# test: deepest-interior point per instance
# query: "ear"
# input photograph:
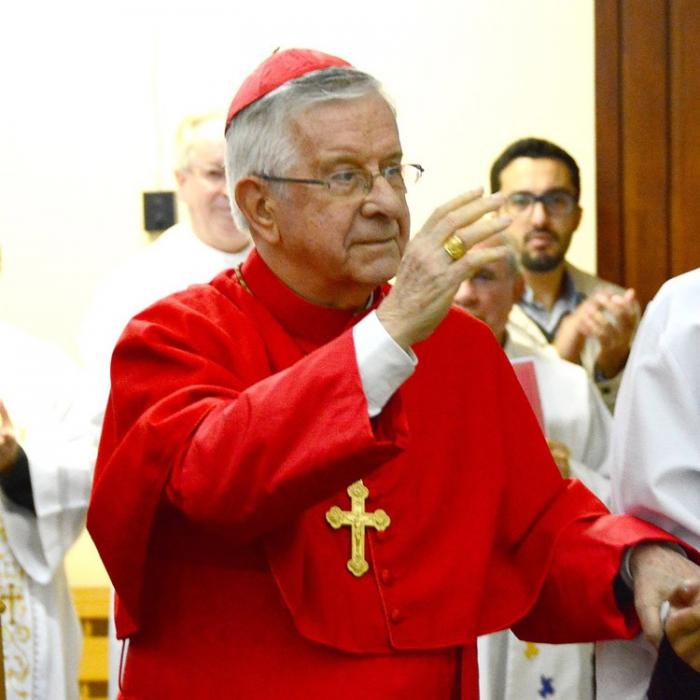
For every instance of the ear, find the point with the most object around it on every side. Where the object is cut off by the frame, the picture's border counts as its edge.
(180, 177)
(578, 215)
(518, 286)
(254, 200)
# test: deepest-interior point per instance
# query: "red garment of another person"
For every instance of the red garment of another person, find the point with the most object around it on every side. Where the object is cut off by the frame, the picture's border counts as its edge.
(237, 419)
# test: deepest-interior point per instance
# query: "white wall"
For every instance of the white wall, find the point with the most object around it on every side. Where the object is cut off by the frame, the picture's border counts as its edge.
(92, 91)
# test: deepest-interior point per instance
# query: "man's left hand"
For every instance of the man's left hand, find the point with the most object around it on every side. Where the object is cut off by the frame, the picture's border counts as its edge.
(660, 574)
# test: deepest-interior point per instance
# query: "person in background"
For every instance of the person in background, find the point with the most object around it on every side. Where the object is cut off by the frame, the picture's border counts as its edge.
(311, 481)
(577, 426)
(44, 491)
(589, 321)
(655, 470)
(190, 252)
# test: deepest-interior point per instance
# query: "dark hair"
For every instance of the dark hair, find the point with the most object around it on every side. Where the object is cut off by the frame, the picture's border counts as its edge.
(534, 148)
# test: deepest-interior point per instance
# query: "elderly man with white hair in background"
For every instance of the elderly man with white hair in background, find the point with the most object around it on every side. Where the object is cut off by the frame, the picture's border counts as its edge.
(189, 252)
(577, 425)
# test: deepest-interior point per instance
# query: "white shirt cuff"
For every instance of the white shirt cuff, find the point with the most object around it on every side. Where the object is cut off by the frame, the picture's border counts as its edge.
(383, 364)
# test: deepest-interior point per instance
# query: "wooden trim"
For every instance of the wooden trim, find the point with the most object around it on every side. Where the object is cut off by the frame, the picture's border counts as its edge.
(92, 606)
(610, 226)
(684, 25)
(645, 144)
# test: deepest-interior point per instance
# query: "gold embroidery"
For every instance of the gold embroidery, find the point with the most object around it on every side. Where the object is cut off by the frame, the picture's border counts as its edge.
(531, 650)
(17, 635)
(11, 597)
(358, 519)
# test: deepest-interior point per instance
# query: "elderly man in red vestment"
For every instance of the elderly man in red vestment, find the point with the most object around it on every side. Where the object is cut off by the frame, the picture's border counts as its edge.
(313, 484)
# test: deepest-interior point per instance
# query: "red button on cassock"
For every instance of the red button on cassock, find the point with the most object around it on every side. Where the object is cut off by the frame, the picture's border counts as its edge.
(396, 616)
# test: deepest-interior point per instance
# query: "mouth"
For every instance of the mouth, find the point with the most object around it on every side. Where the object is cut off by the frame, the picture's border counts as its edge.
(378, 242)
(541, 239)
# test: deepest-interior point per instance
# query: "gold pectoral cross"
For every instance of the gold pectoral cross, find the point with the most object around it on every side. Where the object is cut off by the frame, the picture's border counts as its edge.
(358, 519)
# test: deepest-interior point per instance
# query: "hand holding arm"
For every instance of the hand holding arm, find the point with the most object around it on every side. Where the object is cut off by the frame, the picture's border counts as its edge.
(658, 573)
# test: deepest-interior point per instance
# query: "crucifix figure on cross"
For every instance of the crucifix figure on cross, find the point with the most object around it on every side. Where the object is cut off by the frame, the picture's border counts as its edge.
(358, 519)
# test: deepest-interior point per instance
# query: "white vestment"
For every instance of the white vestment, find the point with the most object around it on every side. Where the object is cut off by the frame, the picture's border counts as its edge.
(173, 262)
(574, 414)
(41, 635)
(655, 454)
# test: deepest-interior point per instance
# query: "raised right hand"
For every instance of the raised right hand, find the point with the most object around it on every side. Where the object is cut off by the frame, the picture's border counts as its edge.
(428, 276)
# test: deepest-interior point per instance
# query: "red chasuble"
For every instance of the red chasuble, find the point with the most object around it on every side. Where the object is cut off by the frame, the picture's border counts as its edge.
(237, 420)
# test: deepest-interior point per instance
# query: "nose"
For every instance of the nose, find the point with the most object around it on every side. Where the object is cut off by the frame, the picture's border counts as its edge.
(466, 294)
(383, 199)
(539, 214)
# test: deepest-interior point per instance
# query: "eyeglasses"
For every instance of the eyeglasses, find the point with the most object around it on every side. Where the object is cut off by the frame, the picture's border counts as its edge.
(346, 183)
(555, 202)
(485, 277)
(212, 175)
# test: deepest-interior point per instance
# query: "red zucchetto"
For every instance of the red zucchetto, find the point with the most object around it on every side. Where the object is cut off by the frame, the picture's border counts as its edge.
(278, 69)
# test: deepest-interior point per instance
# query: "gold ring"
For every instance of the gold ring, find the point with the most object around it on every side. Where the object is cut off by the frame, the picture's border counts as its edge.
(454, 247)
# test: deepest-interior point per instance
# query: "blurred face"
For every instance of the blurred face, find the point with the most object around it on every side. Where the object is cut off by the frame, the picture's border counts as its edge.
(489, 295)
(540, 236)
(336, 249)
(202, 187)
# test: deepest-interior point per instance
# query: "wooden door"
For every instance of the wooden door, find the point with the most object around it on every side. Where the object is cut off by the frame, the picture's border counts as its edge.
(647, 140)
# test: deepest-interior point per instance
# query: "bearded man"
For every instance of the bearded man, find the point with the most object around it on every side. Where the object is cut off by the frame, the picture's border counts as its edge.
(587, 320)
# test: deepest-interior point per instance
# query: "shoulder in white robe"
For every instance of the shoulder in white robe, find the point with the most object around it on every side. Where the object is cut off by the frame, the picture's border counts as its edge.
(655, 457)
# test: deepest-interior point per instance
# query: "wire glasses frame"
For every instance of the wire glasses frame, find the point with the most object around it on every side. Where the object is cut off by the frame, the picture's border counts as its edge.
(349, 182)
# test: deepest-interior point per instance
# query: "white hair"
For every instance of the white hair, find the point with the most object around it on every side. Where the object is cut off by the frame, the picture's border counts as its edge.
(193, 130)
(259, 139)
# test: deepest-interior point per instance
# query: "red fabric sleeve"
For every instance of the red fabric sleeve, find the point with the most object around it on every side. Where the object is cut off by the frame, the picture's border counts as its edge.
(235, 429)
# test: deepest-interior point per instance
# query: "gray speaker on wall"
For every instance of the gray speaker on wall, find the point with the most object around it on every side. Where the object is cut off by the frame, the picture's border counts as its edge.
(158, 211)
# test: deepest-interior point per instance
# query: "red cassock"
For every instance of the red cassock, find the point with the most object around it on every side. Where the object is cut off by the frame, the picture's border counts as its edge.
(237, 419)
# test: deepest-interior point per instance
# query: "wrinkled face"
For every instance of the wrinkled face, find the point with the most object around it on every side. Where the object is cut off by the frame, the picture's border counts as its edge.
(489, 295)
(540, 237)
(337, 249)
(202, 187)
